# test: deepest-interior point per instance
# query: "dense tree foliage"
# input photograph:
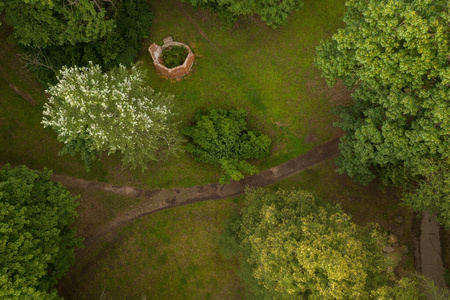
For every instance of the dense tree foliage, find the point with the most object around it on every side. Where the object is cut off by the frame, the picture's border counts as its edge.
(298, 247)
(92, 111)
(40, 24)
(2, 6)
(36, 241)
(294, 246)
(273, 12)
(220, 137)
(395, 54)
(432, 192)
(107, 33)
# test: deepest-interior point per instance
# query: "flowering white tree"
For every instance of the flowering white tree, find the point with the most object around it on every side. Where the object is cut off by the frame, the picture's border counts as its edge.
(92, 111)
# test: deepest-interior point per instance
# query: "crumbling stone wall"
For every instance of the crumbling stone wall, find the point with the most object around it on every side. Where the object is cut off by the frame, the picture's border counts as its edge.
(176, 72)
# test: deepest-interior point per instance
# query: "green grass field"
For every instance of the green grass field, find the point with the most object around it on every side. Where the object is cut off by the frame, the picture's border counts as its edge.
(172, 254)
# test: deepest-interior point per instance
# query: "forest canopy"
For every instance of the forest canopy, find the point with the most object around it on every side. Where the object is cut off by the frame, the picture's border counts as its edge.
(394, 54)
(36, 241)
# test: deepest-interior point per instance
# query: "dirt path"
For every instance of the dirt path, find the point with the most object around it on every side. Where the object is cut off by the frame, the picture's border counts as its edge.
(430, 250)
(182, 8)
(23, 94)
(159, 199)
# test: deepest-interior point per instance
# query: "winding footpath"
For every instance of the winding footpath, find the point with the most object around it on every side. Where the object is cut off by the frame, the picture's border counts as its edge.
(159, 199)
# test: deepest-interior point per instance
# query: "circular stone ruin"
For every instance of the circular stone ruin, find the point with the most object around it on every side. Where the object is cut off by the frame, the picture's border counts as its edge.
(175, 72)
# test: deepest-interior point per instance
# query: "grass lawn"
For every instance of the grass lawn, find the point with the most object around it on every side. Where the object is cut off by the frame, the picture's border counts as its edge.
(273, 78)
(172, 254)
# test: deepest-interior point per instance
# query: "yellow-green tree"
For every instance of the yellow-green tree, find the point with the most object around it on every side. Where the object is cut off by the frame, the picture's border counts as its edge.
(296, 247)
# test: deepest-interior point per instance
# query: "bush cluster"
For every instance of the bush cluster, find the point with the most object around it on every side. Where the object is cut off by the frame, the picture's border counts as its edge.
(174, 56)
(273, 12)
(220, 137)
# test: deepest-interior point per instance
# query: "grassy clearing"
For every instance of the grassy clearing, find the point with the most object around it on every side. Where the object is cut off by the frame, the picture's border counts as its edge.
(171, 254)
(271, 77)
(372, 203)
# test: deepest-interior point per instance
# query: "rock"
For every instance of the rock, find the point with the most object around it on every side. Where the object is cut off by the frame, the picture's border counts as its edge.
(399, 219)
(388, 249)
(167, 40)
(393, 259)
(404, 249)
(393, 238)
(395, 245)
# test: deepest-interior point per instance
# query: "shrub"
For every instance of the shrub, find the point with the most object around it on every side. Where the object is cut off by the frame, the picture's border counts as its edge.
(174, 56)
(447, 276)
(273, 12)
(220, 137)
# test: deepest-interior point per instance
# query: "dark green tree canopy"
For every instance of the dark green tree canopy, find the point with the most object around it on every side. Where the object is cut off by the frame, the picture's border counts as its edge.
(42, 23)
(396, 53)
(58, 33)
(432, 192)
(396, 56)
(221, 137)
(2, 6)
(36, 240)
(273, 12)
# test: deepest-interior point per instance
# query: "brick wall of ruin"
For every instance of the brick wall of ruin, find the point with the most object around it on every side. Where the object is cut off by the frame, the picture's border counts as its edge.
(172, 73)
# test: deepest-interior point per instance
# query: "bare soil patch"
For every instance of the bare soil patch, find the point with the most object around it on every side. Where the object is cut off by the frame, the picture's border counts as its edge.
(23, 94)
(337, 95)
